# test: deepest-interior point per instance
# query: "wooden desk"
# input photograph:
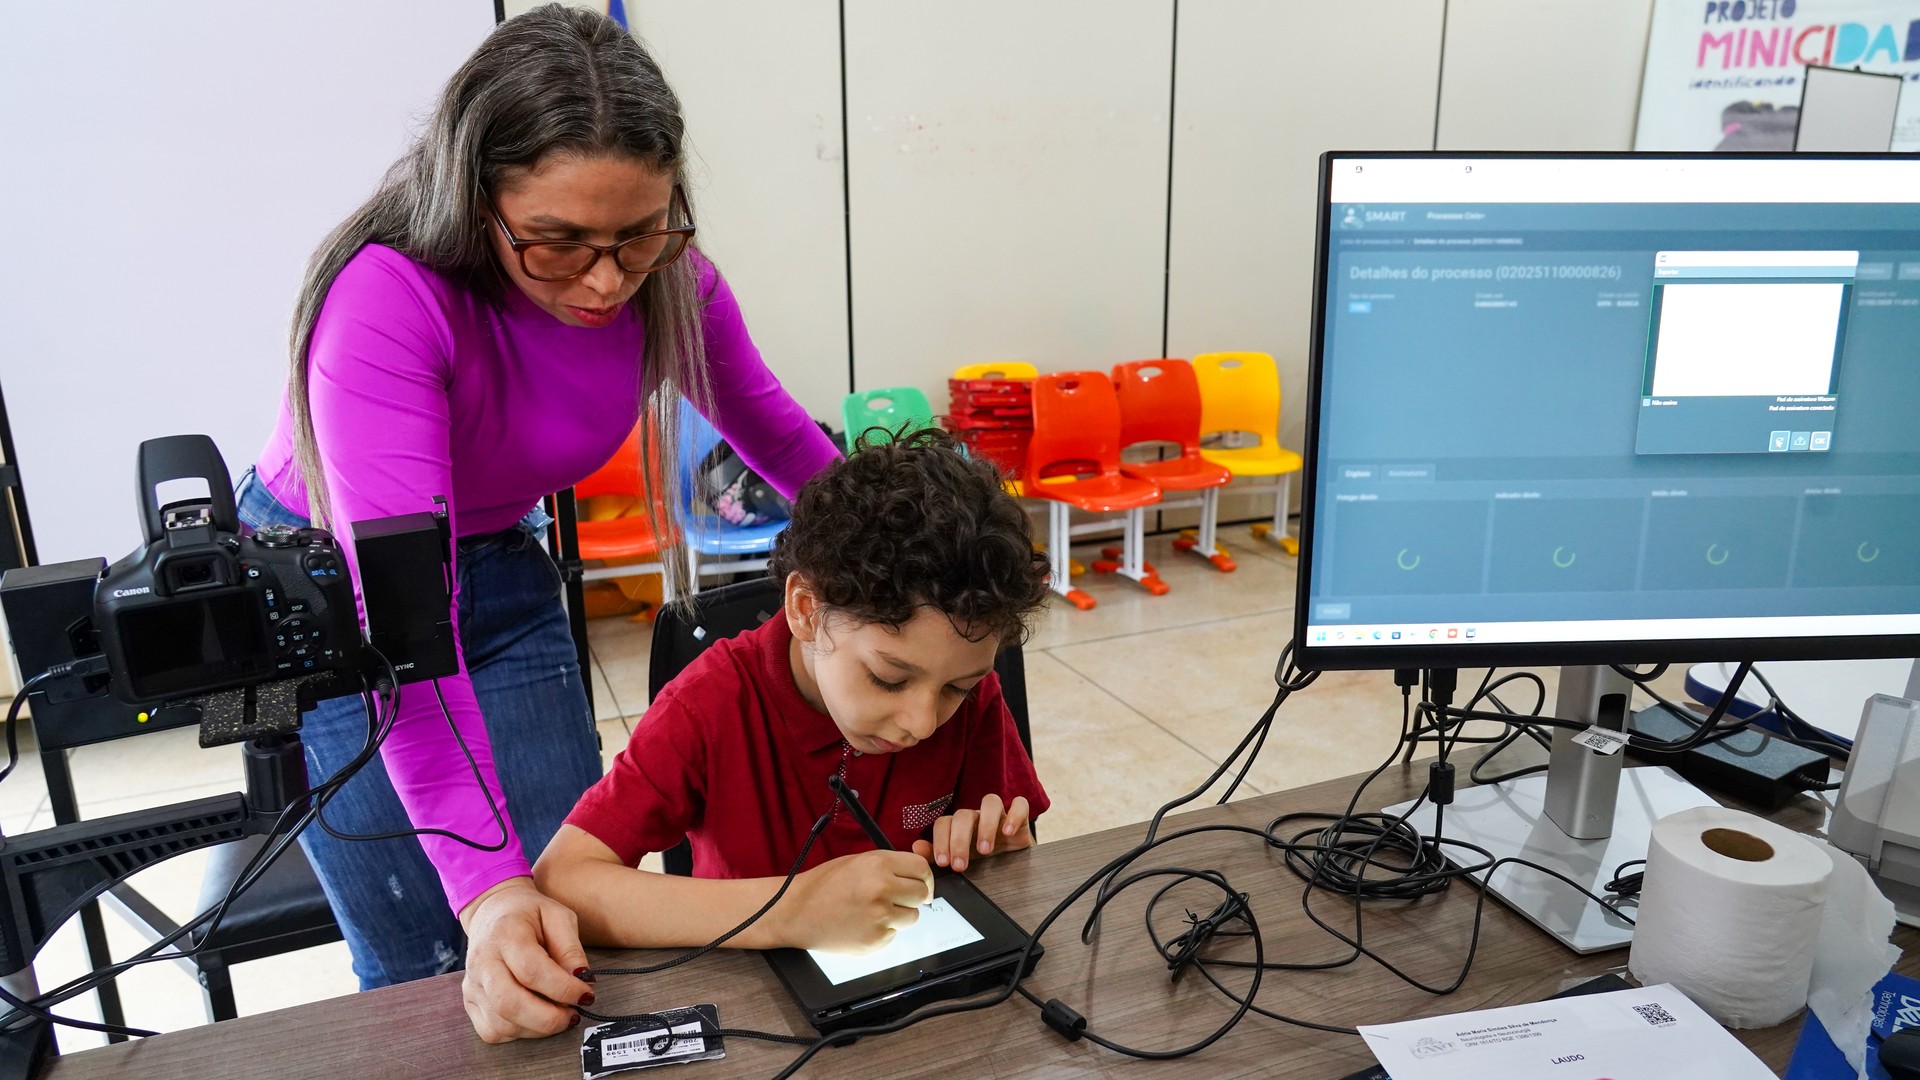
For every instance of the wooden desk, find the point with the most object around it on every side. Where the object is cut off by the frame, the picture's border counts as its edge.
(1120, 984)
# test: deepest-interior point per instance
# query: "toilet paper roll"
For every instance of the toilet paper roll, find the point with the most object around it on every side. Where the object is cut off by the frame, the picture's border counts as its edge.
(1730, 914)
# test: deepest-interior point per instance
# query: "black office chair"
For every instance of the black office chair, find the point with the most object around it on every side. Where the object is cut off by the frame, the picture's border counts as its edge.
(680, 635)
(282, 911)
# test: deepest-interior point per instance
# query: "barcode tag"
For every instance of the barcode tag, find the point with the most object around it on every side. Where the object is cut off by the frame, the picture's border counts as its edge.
(1604, 740)
(631, 1048)
(641, 1043)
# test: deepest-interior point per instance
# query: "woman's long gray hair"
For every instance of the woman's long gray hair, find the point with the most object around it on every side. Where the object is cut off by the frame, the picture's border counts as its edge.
(556, 80)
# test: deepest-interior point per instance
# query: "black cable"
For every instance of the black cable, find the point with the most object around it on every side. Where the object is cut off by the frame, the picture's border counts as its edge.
(49, 1017)
(83, 667)
(1364, 856)
(1289, 679)
(1103, 874)
(1811, 738)
(314, 801)
(473, 766)
(13, 721)
(255, 867)
(1624, 883)
(819, 826)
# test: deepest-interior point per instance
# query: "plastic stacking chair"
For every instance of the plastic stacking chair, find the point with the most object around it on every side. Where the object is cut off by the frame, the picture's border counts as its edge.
(1240, 392)
(1160, 403)
(1074, 463)
(714, 545)
(623, 540)
(1006, 448)
(997, 369)
(683, 633)
(890, 409)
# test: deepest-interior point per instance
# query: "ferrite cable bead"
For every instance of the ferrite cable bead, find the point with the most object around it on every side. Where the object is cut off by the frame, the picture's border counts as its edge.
(1061, 1018)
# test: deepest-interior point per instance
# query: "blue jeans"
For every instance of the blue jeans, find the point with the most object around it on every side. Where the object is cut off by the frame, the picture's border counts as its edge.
(526, 675)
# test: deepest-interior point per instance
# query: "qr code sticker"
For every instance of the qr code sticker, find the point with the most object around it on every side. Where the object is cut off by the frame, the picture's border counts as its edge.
(1655, 1015)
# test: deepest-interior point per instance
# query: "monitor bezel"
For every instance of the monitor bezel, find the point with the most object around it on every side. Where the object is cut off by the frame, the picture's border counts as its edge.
(1516, 654)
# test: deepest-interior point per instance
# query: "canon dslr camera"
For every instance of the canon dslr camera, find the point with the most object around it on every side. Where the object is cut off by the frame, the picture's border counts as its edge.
(201, 608)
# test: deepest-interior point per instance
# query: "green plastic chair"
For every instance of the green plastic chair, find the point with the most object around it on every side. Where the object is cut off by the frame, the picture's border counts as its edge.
(889, 408)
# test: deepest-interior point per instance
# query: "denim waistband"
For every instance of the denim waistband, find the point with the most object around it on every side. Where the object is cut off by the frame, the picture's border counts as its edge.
(259, 506)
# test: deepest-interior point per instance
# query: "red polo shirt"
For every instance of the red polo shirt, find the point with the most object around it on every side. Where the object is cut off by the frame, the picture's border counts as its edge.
(731, 756)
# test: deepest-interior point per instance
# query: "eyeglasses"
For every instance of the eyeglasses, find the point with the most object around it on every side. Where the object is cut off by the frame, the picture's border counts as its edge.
(564, 260)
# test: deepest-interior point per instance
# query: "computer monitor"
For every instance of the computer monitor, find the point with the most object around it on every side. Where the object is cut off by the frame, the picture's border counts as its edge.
(1603, 409)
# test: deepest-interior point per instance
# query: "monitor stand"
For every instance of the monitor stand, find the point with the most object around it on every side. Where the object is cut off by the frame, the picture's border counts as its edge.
(1583, 819)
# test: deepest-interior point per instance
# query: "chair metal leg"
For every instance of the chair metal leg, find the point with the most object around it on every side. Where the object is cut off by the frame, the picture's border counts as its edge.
(1133, 563)
(217, 982)
(1205, 540)
(1281, 504)
(1060, 558)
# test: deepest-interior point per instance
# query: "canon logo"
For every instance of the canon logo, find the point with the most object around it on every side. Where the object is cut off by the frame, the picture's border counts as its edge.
(118, 593)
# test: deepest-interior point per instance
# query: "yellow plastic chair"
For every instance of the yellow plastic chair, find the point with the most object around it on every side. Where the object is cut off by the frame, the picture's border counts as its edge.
(997, 369)
(1240, 392)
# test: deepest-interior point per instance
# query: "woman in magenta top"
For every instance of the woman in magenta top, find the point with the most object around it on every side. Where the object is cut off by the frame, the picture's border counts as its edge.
(487, 328)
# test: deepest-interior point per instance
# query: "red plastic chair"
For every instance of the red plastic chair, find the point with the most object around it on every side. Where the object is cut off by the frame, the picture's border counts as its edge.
(624, 539)
(1160, 403)
(1073, 462)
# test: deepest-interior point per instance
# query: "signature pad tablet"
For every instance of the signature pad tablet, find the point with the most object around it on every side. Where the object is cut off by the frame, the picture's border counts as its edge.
(962, 944)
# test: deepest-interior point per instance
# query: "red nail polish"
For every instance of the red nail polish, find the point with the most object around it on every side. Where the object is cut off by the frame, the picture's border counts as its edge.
(583, 974)
(586, 1000)
(575, 1022)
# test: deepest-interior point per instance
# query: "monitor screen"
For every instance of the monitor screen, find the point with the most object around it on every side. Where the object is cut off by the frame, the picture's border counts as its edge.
(1612, 408)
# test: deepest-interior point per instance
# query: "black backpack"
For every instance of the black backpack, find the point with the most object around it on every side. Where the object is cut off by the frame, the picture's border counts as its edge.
(737, 494)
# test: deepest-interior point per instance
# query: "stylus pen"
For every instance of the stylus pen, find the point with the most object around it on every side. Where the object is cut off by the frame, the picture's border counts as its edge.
(852, 802)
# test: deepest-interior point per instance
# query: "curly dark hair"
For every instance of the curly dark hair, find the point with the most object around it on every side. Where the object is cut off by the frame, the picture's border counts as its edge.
(911, 521)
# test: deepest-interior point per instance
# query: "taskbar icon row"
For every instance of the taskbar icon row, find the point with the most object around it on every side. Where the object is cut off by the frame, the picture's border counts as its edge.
(1408, 635)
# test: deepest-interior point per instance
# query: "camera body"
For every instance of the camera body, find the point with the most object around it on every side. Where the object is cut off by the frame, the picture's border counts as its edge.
(200, 607)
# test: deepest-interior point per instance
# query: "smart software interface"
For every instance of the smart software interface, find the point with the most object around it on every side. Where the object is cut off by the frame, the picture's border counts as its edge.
(1610, 399)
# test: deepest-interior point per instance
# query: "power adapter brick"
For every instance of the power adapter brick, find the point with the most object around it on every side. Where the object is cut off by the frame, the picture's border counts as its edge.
(1752, 765)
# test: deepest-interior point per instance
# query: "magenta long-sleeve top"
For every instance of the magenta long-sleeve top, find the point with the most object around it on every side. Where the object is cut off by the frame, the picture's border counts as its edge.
(419, 388)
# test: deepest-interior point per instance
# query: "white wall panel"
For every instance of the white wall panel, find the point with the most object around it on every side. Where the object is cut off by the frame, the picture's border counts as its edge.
(759, 81)
(170, 168)
(1255, 107)
(1008, 177)
(1526, 75)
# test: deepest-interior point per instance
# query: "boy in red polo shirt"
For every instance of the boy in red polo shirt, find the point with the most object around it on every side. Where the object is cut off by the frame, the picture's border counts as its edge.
(906, 567)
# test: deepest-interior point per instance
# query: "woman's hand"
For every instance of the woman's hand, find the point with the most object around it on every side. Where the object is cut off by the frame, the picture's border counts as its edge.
(523, 956)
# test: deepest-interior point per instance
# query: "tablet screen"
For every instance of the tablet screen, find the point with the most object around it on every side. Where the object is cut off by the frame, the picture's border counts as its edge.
(938, 929)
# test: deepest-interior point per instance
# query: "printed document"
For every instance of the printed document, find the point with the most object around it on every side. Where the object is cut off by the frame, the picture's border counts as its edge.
(1651, 1033)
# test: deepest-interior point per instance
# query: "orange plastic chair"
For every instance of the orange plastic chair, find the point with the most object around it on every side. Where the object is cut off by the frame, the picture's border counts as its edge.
(1240, 392)
(1073, 463)
(1160, 403)
(624, 539)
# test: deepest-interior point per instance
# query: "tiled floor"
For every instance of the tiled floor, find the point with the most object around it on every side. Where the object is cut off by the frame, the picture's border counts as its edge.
(1132, 703)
